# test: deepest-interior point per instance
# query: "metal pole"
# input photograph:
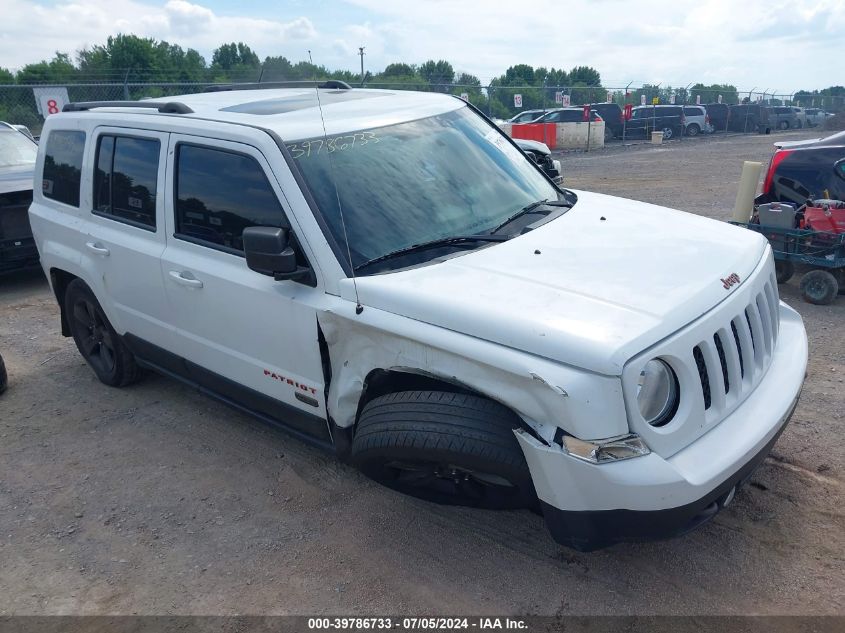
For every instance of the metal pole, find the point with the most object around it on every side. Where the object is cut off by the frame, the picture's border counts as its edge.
(361, 53)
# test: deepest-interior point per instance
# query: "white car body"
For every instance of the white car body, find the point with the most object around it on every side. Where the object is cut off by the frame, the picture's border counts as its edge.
(555, 324)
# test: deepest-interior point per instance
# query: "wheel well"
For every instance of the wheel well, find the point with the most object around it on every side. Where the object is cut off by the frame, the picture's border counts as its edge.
(380, 382)
(59, 280)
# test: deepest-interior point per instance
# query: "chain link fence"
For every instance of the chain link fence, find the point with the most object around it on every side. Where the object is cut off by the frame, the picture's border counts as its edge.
(27, 105)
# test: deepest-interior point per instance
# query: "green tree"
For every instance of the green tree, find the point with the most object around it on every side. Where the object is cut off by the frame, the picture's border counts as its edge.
(6, 76)
(584, 76)
(58, 70)
(437, 72)
(397, 70)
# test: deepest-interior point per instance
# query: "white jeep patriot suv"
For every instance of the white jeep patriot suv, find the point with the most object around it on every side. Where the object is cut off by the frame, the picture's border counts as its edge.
(387, 275)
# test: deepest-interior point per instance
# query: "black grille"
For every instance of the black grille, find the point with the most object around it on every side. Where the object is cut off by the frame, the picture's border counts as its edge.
(738, 349)
(723, 361)
(750, 331)
(702, 375)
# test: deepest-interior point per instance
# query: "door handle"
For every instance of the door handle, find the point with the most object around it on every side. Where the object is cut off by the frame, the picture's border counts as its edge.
(181, 277)
(97, 249)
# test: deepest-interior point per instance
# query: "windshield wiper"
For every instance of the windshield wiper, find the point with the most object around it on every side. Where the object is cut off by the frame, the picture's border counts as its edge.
(443, 241)
(531, 209)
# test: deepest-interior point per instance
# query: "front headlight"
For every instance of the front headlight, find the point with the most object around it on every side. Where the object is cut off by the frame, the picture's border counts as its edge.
(657, 392)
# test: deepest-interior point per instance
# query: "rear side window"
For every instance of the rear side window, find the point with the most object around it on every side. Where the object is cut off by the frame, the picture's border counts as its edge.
(694, 111)
(125, 180)
(219, 194)
(63, 166)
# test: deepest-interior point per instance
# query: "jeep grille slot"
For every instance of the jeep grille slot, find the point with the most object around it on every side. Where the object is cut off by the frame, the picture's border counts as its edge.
(702, 375)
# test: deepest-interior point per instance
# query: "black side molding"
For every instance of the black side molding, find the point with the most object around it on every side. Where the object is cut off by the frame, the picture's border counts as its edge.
(171, 107)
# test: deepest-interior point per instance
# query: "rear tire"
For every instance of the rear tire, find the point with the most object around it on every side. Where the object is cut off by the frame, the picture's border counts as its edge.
(668, 133)
(784, 125)
(449, 448)
(4, 378)
(784, 270)
(819, 287)
(95, 338)
(693, 129)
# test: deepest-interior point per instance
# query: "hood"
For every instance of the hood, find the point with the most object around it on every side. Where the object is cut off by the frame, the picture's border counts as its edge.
(612, 277)
(16, 179)
(536, 146)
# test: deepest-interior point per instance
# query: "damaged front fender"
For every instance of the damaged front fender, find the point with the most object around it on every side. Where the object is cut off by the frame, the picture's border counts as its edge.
(545, 394)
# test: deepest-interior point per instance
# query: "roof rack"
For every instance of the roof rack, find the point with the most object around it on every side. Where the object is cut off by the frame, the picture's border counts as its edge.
(328, 84)
(171, 107)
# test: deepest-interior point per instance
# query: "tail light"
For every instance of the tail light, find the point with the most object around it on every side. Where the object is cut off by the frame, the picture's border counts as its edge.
(598, 118)
(706, 119)
(777, 159)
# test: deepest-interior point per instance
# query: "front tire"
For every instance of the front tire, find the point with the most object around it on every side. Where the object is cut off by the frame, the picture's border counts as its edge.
(95, 338)
(693, 129)
(4, 378)
(449, 448)
(784, 125)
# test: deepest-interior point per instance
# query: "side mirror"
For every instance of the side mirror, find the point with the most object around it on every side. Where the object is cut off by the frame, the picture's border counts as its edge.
(268, 251)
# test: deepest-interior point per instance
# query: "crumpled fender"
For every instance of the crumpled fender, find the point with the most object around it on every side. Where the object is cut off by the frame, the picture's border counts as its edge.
(545, 394)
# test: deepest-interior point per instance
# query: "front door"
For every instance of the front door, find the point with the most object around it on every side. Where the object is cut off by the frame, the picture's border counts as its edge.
(246, 336)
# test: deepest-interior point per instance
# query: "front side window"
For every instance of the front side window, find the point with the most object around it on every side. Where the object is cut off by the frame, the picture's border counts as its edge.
(63, 166)
(125, 179)
(416, 182)
(219, 194)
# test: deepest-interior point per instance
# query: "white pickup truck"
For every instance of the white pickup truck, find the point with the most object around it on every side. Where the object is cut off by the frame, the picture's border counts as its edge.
(387, 275)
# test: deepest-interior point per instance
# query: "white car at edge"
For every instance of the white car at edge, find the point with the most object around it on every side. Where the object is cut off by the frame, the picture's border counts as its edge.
(388, 276)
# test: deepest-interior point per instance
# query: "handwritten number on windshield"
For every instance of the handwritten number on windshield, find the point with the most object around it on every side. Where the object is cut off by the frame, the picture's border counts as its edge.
(313, 147)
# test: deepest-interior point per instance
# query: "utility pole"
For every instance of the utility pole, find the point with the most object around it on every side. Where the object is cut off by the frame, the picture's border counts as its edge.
(361, 53)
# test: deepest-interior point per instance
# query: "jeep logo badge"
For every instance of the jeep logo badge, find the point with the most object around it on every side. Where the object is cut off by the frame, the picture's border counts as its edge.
(731, 280)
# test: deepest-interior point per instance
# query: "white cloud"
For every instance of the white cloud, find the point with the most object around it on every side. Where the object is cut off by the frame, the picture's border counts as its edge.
(70, 25)
(785, 44)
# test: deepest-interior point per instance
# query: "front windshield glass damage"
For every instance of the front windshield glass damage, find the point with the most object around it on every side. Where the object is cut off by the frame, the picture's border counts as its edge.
(418, 182)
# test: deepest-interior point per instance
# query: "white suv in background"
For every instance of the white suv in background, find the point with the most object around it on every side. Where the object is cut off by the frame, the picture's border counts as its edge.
(697, 120)
(387, 275)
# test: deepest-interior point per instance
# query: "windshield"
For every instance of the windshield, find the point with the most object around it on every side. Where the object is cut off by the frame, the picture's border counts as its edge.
(16, 150)
(416, 182)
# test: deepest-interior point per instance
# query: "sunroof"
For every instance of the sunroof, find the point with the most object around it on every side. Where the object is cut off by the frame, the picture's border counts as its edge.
(300, 101)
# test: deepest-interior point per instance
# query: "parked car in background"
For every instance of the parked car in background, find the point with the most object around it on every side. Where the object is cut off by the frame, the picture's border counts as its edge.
(806, 170)
(718, 113)
(526, 116)
(697, 120)
(816, 116)
(783, 118)
(613, 119)
(749, 117)
(574, 114)
(668, 119)
(542, 155)
(801, 115)
(17, 162)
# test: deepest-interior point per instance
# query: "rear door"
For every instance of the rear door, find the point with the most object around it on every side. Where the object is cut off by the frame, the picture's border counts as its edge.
(248, 337)
(125, 230)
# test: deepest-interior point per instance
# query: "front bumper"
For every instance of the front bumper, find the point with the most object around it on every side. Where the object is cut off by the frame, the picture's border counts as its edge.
(588, 506)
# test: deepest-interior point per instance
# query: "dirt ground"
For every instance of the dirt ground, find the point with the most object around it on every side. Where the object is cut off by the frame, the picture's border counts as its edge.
(157, 500)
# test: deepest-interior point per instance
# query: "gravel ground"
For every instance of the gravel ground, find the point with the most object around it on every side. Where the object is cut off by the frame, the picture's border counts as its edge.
(157, 500)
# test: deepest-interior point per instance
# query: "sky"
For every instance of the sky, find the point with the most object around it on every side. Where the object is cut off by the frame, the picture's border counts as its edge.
(773, 45)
